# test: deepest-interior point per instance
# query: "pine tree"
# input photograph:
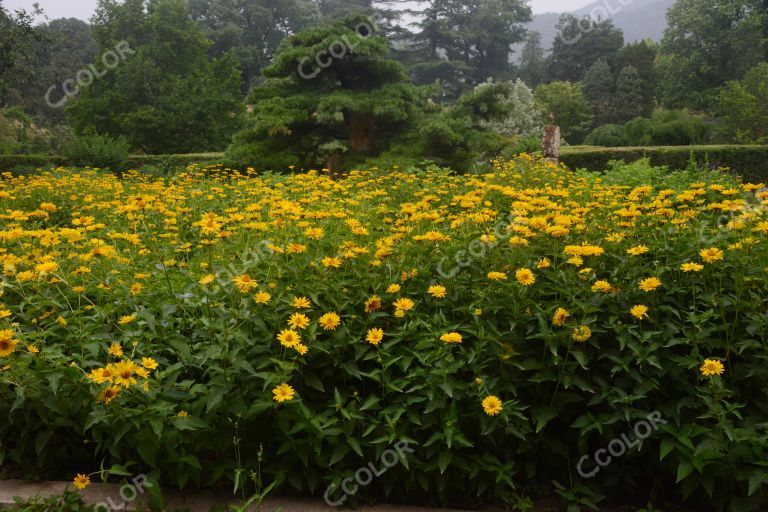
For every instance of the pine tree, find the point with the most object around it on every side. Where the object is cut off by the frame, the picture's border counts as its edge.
(598, 90)
(533, 63)
(628, 98)
(465, 42)
(330, 91)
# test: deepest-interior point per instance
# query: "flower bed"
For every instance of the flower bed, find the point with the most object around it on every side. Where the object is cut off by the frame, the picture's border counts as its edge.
(497, 330)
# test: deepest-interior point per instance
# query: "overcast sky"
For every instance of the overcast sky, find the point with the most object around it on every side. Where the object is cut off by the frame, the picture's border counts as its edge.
(83, 9)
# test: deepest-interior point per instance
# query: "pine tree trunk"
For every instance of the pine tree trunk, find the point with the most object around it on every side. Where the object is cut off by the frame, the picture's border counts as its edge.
(361, 131)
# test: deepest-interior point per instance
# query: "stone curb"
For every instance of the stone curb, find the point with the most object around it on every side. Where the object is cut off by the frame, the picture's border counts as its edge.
(176, 501)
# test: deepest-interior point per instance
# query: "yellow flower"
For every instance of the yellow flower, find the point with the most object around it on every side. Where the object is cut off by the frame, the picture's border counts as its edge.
(283, 393)
(331, 262)
(289, 338)
(373, 304)
(330, 321)
(109, 394)
(691, 267)
(639, 311)
(46, 268)
(298, 321)
(637, 250)
(581, 333)
(301, 349)
(560, 316)
(262, 298)
(497, 276)
(543, 263)
(5, 313)
(650, 284)
(403, 304)
(32, 349)
(374, 336)
(314, 233)
(393, 288)
(244, 283)
(136, 288)
(492, 405)
(81, 481)
(207, 279)
(148, 363)
(711, 255)
(7, 343)
(451, 337)
(182, 414)
(525, 277)
(301, 303)
(126, 319)
(711, 368)
(602, 287)
(102, 375)
(437, 291)
(124, 371)
(115, 349)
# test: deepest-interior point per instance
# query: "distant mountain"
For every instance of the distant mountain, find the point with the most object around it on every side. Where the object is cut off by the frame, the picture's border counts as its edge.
(639, 19)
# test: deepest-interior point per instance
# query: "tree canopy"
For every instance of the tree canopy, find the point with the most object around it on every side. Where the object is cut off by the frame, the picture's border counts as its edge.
(167, 96)
(579, 43)
(17, 42)
(706, 44)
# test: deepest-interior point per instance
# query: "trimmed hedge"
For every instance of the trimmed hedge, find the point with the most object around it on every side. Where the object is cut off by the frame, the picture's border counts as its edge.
(749, 162)
(21, 164)
(172, 162)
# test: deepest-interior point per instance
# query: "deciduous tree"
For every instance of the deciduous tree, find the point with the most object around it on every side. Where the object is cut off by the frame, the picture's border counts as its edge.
(167, 95)
(563, 103)
(706, 44)
(743, 105)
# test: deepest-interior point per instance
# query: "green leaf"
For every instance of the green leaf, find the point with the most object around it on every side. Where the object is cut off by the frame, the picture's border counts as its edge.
(215, 396)
(667, 445)
(443, 460)
(370, 402)
(683, 470)
(355, 445)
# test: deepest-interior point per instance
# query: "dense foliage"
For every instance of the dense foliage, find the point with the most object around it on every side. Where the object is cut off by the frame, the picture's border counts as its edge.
(748, 162)
(743, 106)
(197, 60)
(708, 43)
(564, 104)
(505, 326)
(673, 127)
(165, 96)
(17, 40)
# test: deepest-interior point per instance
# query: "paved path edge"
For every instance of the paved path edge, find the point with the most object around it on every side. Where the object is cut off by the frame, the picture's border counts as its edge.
(191, 501)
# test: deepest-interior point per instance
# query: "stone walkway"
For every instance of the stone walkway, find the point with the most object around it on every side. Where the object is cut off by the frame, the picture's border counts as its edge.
(117, 497)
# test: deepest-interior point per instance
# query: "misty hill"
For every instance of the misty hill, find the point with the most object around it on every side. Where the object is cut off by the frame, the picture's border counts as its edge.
(640, 19)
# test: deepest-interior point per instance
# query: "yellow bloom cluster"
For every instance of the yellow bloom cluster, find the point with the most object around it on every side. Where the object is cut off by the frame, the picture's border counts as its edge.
(316, 259)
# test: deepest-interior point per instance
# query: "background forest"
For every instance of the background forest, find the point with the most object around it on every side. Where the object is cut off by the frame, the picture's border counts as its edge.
(454, 82)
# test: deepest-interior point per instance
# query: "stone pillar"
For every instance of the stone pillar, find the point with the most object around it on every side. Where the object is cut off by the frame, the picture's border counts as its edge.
(550, 146)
